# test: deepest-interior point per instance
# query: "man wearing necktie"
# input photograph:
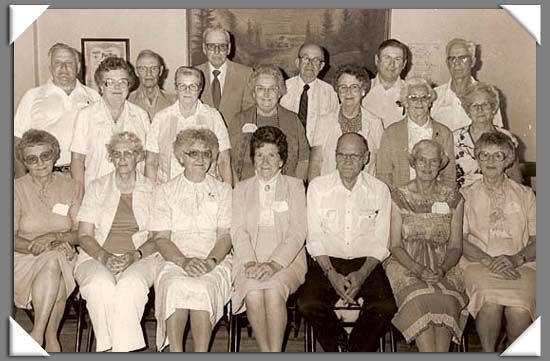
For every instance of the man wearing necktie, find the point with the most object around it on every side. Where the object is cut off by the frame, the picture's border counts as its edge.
(226, 82)
(308, 95)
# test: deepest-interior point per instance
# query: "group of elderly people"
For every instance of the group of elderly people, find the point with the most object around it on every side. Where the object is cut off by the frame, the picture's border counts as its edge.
(147, 200)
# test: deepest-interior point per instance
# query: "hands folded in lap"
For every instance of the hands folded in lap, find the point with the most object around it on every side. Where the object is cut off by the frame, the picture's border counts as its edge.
(261, 271)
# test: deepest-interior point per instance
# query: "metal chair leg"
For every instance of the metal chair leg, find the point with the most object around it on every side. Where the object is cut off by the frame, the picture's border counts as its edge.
(382, 347)
(393, 343)
(90, 337)
(79, 325)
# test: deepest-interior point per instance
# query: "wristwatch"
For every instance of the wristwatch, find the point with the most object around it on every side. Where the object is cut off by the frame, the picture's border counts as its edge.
(521, 259)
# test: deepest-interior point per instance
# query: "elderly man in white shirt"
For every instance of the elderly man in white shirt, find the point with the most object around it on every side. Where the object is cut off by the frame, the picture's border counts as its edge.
(447, 108)
(53, 106)
(307, 95)
(383, 97)
(348, 232)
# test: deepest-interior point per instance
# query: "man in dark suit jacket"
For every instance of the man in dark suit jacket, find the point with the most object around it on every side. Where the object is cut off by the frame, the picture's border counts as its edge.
(234, 95)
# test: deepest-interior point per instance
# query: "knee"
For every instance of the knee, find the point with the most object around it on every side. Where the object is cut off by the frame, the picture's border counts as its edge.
(98, 288)
(132, 285)
(52, 265)
(517, 316)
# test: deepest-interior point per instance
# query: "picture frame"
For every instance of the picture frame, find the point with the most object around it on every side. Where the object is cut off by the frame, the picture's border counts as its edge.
(94, 50)
(275, 35)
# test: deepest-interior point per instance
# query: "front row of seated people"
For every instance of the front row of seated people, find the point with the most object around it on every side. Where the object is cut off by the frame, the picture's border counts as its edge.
(451, 253)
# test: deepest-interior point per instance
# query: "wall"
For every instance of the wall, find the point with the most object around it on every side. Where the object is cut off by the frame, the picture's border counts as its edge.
(507, 52)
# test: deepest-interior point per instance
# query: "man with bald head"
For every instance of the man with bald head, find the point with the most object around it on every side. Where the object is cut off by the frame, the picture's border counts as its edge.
(307, 95)
(225, 82)
(53, 106)
(447, 108)
(348, 234)
(151, 71)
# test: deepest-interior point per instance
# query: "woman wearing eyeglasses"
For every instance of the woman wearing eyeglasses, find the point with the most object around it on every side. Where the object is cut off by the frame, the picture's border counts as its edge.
(45, 204)
(398, 140)
(268, 86)
(499, 262)
(351, 83)
(481, 102)
(112, 114)
(191, 221)
(188, 111)
(426, 245)
(116, 265)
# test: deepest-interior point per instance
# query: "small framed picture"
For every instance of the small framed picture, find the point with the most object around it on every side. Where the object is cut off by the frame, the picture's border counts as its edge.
(94, 50)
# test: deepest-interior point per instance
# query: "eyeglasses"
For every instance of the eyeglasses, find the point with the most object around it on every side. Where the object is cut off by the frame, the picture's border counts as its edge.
(425, 162)
(111, 83)
(314, 61)
(261, 89)
(197, 154)
(497, 156)
(126, 154)
(386, 59)
(419, 98)
(459, 59)
(146, 69)
(44, 157)
(355, 88)
(349, 156)
(191, 87)
(481, 107)
(217, 47)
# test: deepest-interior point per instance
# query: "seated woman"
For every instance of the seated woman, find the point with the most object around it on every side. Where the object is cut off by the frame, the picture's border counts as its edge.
(268, 86)
(45, 205)
(426, 244)
(191, 221)
(268, 230)
(117, 266)
(481, 102)
(499, 260)
(398, 140)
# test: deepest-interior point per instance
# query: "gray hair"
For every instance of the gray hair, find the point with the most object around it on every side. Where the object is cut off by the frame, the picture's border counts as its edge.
(34, 137)
(499, 140)
(59, 46)
(216, 28)
(306, 45)
(429, 143)
(190, 136)
(470, 46)
(268, 69)
(126, 137)
(489, 90)
(189, 70)
(414, 82)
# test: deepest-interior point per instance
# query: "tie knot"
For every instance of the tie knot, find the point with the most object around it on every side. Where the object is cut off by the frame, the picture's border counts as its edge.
(216, 73)
(306, 87)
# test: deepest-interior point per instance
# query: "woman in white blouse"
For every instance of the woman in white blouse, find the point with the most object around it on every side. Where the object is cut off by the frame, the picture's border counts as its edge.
(116, 266)
(191, 221)
(268, 231)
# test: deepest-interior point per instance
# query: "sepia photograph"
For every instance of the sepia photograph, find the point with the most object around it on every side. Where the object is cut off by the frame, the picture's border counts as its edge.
(274, 180)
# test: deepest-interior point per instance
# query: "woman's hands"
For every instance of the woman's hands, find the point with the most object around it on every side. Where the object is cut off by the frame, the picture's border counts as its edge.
(261, 271)
(196, 267)
(502, 265)
(52, 241)
(118, 263)
(432, 276)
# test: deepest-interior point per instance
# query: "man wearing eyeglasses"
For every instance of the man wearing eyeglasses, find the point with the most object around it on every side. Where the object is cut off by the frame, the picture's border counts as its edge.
(53, 106)
(447, 108)
(348, 232)
(382, 98)
(225, 82)
(150, 95)
(307, 95)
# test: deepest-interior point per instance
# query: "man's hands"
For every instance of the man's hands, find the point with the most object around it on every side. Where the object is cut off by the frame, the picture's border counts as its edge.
(348, 286)
(117, 264)
(261, 271)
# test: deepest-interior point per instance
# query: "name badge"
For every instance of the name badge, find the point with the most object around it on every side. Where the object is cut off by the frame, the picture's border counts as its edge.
(441, 208)
(280, 206)
(61, 209)
(249, 128)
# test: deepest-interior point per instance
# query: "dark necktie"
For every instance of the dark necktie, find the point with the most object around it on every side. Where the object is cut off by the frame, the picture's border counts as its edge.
(216, 89)
(302, 110)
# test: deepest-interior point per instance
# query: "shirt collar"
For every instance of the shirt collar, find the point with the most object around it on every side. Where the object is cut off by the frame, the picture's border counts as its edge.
(301, 82)
(222, 69)
(414, 126)
(376, 82)
(272, 182)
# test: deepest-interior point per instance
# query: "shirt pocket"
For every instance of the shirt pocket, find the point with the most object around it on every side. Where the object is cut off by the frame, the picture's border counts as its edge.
(329, 220)
(367, 221)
